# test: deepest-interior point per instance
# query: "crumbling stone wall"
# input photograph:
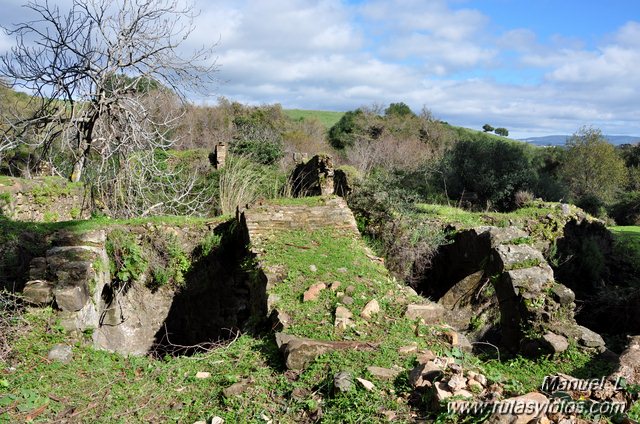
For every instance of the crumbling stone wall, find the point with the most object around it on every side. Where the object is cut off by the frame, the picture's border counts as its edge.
(74, 278)
(313, 178)
(487, 268)
(42, 200)
(261, 222)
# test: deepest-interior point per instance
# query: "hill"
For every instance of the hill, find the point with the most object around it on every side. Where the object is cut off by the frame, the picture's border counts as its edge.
(559, 140)
(327, 118)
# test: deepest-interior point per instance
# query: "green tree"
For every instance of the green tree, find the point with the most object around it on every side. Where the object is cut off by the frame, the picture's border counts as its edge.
(398, 109)
(492, 169)
(592, 167)
(344, 132)
(502, 131)
(487, 128)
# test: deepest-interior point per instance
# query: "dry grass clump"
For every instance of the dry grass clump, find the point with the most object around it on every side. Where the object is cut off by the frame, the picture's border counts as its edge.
(11, 322)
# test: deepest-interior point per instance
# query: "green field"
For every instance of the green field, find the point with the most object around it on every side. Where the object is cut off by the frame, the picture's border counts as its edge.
(326, 118)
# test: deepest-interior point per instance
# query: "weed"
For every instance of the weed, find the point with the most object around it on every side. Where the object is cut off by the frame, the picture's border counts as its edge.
(527, 263)
(126, 257)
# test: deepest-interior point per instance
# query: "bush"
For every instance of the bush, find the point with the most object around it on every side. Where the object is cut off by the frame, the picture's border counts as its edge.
(626, 211)
(344, 132)
(242, 182)
(593, 205)
(265, 152)
(492, 169)
(383, 206)
(523, 197)
(127, 260)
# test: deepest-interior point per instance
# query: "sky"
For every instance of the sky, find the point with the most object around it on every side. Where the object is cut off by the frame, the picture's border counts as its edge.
(536, 67)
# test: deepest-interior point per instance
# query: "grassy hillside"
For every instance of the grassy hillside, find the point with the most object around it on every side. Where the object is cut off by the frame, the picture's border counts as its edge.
(628, 245)
(463, 134)
(243, 380)
(327, 118)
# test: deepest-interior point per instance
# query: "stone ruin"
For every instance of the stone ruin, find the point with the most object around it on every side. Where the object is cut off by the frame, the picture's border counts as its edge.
(218, 157)
(131, 318)
(490, 286)
(318, 177)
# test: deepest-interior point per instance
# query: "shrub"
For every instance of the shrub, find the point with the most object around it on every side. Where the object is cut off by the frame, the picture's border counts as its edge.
(593, 205)
(492, 169)
(127, 260)
(626, 211)
(522, 197)
(242, 182)
(344, 132)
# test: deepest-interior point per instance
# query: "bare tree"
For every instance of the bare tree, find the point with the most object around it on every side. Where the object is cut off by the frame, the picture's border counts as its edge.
(94, 71)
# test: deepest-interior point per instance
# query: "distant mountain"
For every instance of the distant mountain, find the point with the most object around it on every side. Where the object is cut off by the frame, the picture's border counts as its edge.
(559, 140)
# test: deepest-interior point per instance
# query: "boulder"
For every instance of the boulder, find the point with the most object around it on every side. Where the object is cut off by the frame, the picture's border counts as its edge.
(502, 235)
(60, 353)
(557, 343)
(629, 362)
(590, 338)
(509, 257)
(313, 292)
(299, 352)
(370, 309)
(462, 292)
(562, 294)
(343, 318)
(384, 373)
(342, 382)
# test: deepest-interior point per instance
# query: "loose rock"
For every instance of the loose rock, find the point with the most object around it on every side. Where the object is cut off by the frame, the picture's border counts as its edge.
(236, 388)
(343, 318)
(369, 386)
(61, 353)
(384, 373)
(313, 292)
(203, 374)
(342, 382)
(372, 308)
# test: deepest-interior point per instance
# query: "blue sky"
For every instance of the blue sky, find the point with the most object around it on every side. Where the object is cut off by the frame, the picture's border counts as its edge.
(536, 67)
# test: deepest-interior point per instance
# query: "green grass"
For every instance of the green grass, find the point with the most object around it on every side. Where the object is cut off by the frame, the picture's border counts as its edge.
(463, 133)
(99, 386)
(104, 387)
(627, 246)
(298, 201)
(541, 219)
(326, 118)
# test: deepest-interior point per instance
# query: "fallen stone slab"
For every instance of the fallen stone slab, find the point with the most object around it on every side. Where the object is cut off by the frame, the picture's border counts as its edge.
(431, 313)
(299, 352)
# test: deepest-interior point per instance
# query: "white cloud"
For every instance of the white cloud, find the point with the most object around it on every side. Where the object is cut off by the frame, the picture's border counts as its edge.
(329, 54)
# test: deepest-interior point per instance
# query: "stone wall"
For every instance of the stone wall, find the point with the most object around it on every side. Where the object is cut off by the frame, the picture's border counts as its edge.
(134, 318)
(260, 223)
(331, 212)
(42, 199)
(487, 269)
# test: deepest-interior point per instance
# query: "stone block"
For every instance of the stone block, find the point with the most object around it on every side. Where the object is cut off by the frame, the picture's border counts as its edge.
(71, 298)
(431, 313)
(38, 292)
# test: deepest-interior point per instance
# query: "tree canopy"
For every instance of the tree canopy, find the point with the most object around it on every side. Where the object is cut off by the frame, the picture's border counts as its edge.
(592, 167)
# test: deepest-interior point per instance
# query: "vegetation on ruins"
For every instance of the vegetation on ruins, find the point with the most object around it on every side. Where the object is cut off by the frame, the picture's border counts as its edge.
(108, 144)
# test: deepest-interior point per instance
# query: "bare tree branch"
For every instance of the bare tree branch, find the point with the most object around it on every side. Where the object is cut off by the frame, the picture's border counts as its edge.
(95, 71)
